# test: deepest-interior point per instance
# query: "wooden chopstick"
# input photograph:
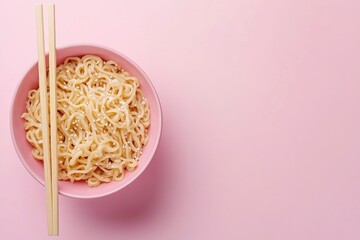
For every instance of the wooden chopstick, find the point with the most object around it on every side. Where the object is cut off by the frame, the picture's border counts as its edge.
(44, 115)
(49, 141)
(53, 122)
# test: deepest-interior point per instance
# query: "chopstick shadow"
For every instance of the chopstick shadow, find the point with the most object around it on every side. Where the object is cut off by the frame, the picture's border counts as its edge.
(138, 201)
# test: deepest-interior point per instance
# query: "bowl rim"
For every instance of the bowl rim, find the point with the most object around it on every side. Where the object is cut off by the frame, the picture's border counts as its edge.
(152, 151)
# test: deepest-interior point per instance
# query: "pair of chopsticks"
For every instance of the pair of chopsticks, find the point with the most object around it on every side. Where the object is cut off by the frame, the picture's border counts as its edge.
(49, 138)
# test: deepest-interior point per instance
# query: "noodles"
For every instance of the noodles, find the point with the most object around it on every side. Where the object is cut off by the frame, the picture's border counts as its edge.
(102, 121)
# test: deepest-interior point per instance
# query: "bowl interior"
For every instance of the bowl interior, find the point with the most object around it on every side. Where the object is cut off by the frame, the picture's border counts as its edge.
(35, 167)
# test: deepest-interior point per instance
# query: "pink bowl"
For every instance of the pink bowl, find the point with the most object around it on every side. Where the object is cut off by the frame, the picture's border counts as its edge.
(35, 167)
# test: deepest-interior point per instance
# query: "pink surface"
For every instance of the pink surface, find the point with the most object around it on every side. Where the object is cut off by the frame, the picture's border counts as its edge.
(24, 148)
(261, 120)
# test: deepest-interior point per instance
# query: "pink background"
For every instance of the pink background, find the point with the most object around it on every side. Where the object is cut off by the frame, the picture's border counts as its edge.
(261, 120)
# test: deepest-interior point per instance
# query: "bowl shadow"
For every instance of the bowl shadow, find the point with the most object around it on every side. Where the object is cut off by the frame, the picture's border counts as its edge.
(136, 202)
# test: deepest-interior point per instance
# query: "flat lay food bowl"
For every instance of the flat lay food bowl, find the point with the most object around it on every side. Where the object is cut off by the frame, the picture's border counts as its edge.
(79, 189)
